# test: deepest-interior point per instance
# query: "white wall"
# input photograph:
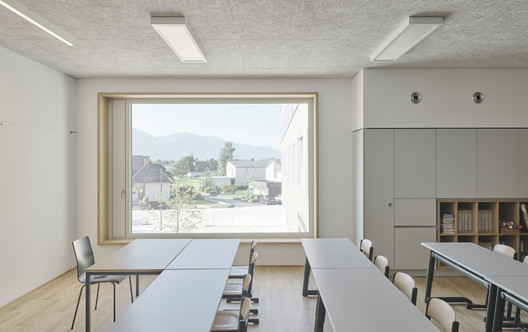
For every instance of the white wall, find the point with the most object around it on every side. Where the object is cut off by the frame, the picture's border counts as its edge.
(446, 98)
(37, 200)
(335, 133)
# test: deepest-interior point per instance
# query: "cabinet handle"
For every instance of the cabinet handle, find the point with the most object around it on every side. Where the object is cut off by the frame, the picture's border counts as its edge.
(390, 204)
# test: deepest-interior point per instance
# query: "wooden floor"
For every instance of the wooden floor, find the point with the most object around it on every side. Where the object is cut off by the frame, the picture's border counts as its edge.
(282, 307)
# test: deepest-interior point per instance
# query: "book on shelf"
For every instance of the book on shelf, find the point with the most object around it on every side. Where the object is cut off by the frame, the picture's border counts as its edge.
(524, 216)
(465, 221)
(447, 224)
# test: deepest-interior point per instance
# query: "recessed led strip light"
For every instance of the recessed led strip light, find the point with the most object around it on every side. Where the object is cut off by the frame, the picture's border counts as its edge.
(31, 20)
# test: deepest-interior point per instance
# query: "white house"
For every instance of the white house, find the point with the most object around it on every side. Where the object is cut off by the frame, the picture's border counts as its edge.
(150, 181)
(244, 171)
(273, 171)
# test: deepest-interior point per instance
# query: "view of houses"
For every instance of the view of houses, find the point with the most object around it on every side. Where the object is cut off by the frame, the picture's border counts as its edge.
(224, 194)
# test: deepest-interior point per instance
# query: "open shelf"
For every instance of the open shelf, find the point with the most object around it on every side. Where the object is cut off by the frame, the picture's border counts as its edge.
(477, 221)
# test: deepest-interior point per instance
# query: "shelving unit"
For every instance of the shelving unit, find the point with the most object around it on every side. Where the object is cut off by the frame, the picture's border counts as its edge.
(499, 210)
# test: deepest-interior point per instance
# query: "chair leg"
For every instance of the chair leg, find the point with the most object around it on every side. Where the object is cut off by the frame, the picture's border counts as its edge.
(131, 293)
(77, 306)
(97, 296)
(114, 302)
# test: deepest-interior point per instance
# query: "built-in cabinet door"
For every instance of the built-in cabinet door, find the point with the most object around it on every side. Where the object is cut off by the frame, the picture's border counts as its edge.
(456, 163)
(409, 252)
(415, 212)
(523, 163)
(498, 163)
(414, 163)
(379, 190)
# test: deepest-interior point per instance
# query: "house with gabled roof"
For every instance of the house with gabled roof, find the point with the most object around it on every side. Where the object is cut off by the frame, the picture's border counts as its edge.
(150, 181)
(244, 171)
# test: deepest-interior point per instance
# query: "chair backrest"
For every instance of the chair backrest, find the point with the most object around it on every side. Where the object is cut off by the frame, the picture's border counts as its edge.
(382, 263)
(252, 249)
(405, 283)
(505, 250)
(366, 247)
(83, 255)
(245, 284)
(441, 311)
(525, 259)
(245, 305)
(251, 270)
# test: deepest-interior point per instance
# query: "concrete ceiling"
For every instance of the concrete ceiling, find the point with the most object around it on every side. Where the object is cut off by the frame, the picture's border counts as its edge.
(265, 38)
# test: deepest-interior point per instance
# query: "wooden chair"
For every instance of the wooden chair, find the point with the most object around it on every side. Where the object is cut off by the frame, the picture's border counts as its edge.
(382, 263)
(366, 247)
(85, 258)
(405, 283)
(231, 321)
(508, 252)
(441, 311)
(237, 290)
(251, 271)
(238, 271)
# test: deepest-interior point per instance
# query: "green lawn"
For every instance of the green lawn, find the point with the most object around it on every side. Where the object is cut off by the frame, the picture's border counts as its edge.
(195, 182)
(237, 194)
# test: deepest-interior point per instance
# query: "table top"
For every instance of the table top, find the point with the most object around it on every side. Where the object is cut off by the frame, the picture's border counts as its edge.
(365, 300)
(335, 253)
(178, 300)
(517, 286)
(207, 254)
(477, 259)
(141, 255)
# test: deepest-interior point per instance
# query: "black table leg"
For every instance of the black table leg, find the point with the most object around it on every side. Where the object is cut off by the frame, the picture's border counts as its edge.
(492, 295)
(430, 275)
(307, 269)
(137, 285)
(320, 312)
(499, 312)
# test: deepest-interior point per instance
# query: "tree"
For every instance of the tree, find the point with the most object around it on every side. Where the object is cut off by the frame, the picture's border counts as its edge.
(184, 166)
(180, 214)
(225, 154)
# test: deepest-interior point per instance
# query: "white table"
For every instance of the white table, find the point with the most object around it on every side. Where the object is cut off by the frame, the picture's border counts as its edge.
(476, 262)
(331, 253)
(513, 289)
(206, 254)
(178, 300)
(141, 256)
(365, 300)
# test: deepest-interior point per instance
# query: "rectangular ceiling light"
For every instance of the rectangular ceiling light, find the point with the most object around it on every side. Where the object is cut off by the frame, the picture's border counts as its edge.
(32, 18)
(407, 36)
(176, 34)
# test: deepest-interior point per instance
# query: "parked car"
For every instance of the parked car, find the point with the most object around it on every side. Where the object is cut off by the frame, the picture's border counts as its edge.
(269, 201)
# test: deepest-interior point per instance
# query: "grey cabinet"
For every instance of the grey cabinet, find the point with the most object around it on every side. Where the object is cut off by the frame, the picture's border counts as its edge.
(415, 212)
(523, 163)
(379, 190)
(498, 163)
(456, 163)
(414, 163)
(408, 250)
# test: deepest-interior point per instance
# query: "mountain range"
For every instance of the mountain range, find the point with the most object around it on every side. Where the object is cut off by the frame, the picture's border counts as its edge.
(178, 145)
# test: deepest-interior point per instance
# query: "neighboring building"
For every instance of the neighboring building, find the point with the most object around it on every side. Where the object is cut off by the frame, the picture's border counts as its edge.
(265, 188)
(295, 163)
(244, 171)
(200, 167)
(273, 170)
(149, 181)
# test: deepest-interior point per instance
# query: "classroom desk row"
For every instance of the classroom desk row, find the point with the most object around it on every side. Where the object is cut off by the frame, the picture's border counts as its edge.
(354, 293)
(185, 296)
(504, 277)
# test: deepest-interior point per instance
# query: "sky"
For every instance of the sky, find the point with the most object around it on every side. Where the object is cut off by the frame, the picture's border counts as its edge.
(254, 124)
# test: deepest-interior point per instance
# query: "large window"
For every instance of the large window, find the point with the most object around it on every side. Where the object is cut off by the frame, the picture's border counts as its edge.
(216, 166)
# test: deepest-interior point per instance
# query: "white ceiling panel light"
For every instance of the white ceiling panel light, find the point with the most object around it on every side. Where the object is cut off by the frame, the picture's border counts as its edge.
(408, 35)
(33, 18)
(177, 35)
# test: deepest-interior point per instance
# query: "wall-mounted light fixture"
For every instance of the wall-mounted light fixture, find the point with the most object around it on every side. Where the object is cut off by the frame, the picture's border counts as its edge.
(407, 36)
(177, 35)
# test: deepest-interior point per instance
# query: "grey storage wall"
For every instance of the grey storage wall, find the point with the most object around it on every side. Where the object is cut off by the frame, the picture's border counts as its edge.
(456, 163)
(414, 163)
(415, 212)
(498, 163)
(408, 250)
(523, 163)
(379, 190)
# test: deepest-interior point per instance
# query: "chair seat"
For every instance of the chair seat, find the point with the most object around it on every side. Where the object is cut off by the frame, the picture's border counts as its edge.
(233, 289)
(238, 271)
(96, 279)
(226, 321)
